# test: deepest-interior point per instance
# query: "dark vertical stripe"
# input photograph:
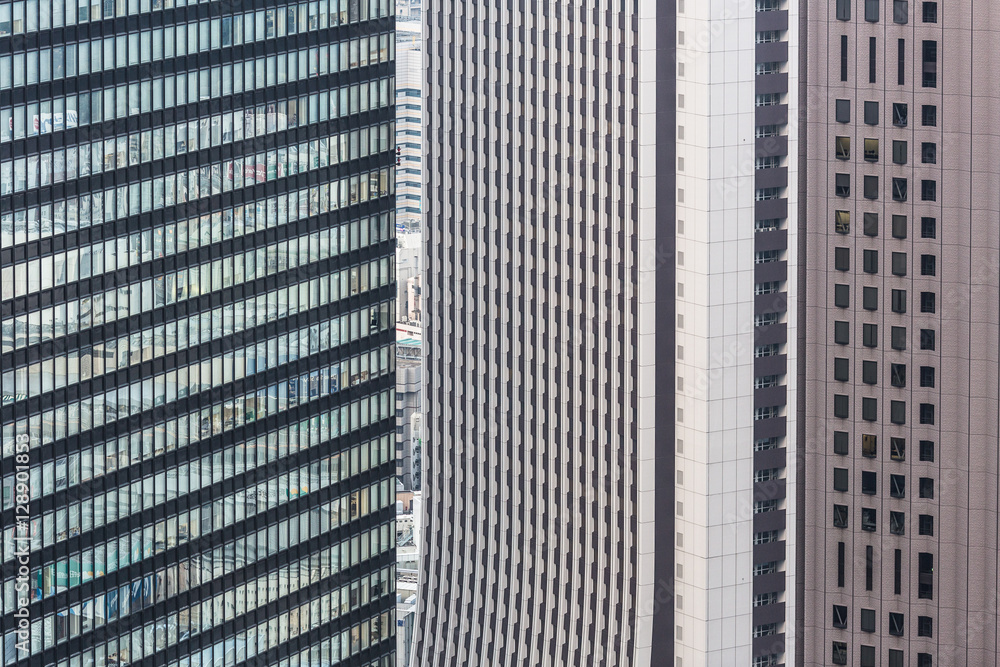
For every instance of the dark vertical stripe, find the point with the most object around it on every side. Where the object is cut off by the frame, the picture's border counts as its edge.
(666, 227)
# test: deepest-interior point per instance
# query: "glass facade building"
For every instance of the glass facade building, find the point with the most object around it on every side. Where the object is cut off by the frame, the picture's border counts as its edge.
(197, 302)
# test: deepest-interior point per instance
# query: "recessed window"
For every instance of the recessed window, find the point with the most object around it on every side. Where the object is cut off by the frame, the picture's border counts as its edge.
(840, 440)
(871, 150)
(897, 412)
(898, 152)
(867, 656)
(927, 376)
(899, 263)
(928, 302)
(928, 190)
(929, 64)
(896, 624)
(842, 183)
(925, 626)
(842, 259)
(928, 265)
(928, 228)
(900, 11)
(839, 656)
(839, 616)
(871, 224)
(899, 226)
(925, 526)
(841, 369)
(843, 148)
(871, 10)
(869, 298)
(870, 261)
(926, 413)
(924, 660)
(868, 620)
(869, 335)
(842, 222)
(871, 113)
(897, 523)
(869, 409)
(842, 333)
(869, 483)
(841, 406)
(840, 516)
(896, 658)
(900, 114)
(897, 486)
(869, 445)
(925, 576)
(898, 335)
(899, 189)
(927, 339)
(871, 187)
(844, 10)
(843, 111)
(926, 487)
(869, 372)
(869, 519)
(897, 373)
(899, 300)
(930, 12)
(929, 115)
(840, 477)
(842, 296)
(928, 152)
(927, 450)
(897, 449)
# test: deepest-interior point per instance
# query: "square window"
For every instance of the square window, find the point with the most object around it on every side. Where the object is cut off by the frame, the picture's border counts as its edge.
(897, 449)
(898, 152)
(840, 443)
(842, 296)
(898, 335)
(869, 372)
(841, 406)
(839, 653)
(926, 487)
(842, 222)
(928, 190)
(930, 12)
(840, 516)
(871, 150)
(926, 525)
(841, 369)
(840, 479)
(843, 111)
(925, 626)
(870, 261)
(897, 486)
(928, 228)
(871, 113)
(928, 265)
(928, 152)
(900, 114)
(870, 297)
(929, 115)
(897, 373)
(843, 148)
(926, 376)
(869, 409)
(896, 624)
(926, 413)
(871, 224)
(927, 450)
(871, 187)
(869, 335)
(842, 259)
(897, 523)
(839, 616)
(899, 300)
(928, 302)
(842, 333)
(869, 519)
(899, 189)
(843, 185)
(869, 446)
(869, 483)
(899, 263)
(927, 339)
(899, 226)
(897, 412)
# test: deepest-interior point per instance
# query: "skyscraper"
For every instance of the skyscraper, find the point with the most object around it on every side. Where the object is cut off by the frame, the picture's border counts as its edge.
(901, 335)
(197, 310)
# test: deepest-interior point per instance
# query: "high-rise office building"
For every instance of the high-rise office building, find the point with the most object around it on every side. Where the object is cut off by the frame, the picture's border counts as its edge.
(197, 254)
(901, 290)
(690, 396)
